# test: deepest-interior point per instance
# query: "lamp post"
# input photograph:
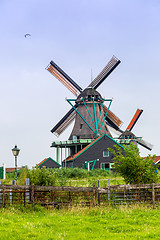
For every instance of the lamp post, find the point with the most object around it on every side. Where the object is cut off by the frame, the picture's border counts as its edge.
(15, 151)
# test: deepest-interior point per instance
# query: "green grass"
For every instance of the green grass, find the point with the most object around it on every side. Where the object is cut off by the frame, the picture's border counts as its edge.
(88, 182)
(81, 223)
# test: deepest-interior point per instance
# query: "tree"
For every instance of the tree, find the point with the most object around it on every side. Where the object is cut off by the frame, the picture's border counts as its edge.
(133, 168)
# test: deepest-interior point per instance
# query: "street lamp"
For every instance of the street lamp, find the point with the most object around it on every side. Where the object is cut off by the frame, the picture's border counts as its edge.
(15, 151)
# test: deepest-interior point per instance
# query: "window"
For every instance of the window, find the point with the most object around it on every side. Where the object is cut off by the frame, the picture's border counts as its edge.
(89, 97)
(105, 153)
(105, 166)
(81, 125)
(111, 165)
(96, 98)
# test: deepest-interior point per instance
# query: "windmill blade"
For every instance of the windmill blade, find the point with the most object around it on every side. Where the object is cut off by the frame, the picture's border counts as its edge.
(64, 122)
(134, 119)
(112, 118)
(64, 125)
(55, 70)
(145, 144)
(112, 64)
(116, 130)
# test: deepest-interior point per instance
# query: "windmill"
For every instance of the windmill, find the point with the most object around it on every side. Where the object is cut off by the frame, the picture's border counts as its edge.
(89, 111)
(92, 116)
(127, 136)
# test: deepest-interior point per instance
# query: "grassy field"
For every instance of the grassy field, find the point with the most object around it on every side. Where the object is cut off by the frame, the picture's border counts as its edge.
(82, 223)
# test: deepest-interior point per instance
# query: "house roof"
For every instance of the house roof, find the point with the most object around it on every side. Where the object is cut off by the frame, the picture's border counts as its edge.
(88, 146)
(45, 160)
(11, 169)
(157, 159)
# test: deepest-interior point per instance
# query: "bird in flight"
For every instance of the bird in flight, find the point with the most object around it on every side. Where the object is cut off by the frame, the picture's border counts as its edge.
(27, 35)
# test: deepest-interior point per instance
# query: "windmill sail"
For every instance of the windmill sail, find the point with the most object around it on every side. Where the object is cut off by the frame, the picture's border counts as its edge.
(64, 122)
(145, 144)
(112, 118)
(112, 64)
(55, 70)
(134, 119)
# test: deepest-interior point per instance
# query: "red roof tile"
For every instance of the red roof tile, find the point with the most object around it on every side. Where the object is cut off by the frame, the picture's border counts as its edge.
(79, 152)
(42, 161)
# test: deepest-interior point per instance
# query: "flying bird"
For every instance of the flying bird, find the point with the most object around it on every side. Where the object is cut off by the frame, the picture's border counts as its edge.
(27, 35)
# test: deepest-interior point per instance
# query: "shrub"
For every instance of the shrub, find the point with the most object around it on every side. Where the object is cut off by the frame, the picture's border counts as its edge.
(42, 177)
(133, 168)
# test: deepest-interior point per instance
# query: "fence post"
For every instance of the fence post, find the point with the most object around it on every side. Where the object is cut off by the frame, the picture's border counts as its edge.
(4, 171)
(13, 182)
(10, 192)
(4, 190)
(153, 195)
(98, 185)
(0, 196)
(32, 195)
(94, 194)
(109, 192)
(27, 191)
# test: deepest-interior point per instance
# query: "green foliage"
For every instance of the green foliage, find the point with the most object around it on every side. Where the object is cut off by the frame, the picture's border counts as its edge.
(61, 177)
(133, 168)
(71, 172)
(41, 177)
(48, 176)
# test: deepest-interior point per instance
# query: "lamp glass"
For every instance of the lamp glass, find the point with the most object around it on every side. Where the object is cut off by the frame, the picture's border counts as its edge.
(15, 151)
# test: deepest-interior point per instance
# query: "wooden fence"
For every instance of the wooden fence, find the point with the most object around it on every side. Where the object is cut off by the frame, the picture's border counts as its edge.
(85, 196)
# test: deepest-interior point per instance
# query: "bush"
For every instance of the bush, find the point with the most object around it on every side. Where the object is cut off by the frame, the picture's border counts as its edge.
(133, 168)
(41, 177)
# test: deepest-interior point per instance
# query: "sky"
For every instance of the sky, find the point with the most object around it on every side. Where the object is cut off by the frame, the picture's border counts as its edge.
(81, 37)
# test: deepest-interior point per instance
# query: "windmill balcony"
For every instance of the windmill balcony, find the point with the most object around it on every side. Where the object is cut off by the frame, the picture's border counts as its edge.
(71, 142)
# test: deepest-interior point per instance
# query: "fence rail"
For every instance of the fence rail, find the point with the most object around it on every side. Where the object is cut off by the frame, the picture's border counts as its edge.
(69, 196)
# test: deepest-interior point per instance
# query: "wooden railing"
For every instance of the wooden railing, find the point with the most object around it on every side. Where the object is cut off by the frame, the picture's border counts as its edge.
(69, 196)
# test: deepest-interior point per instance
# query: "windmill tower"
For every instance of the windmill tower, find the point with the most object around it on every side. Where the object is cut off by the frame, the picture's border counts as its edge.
(90, 118)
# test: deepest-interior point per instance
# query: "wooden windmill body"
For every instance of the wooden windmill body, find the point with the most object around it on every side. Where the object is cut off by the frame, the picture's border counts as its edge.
(89, 116)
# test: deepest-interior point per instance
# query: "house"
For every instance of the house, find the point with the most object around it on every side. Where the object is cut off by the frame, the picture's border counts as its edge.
(10, 170)
(49, 163)
(157, 159)
(94, 155)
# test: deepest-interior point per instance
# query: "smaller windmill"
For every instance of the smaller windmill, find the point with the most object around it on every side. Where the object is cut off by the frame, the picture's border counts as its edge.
(127, 136)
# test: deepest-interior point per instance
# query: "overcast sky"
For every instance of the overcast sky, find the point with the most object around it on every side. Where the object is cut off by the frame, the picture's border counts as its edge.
(78, 36)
